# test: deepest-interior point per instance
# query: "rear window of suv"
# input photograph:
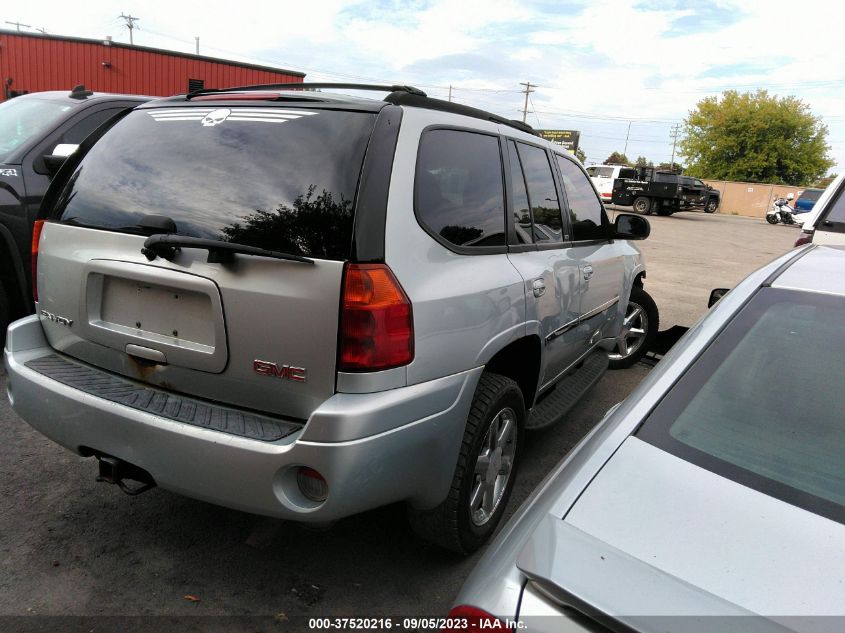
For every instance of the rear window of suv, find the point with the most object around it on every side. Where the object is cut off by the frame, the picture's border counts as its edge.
(273, 178)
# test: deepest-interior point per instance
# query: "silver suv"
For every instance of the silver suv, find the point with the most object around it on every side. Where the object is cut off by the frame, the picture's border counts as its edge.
(307, 305)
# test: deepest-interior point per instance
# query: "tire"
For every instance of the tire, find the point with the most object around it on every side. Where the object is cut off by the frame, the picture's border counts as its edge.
(641, 314)
(711, 206)
(771, 218)
(454, 524)
(642, 205)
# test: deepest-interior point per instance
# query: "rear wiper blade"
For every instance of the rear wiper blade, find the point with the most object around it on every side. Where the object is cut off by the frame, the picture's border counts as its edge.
(219, 252)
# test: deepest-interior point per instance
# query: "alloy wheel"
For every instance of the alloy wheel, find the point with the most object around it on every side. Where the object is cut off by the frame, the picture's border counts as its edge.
(493, 467)
(632, 336)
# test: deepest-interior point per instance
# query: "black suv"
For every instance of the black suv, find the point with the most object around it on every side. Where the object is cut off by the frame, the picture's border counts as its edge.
(37, 131)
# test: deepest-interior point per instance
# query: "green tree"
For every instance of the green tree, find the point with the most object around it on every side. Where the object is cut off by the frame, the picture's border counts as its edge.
(642, 161)
(668, 165)
(755, 137)
(580, 155)
(617, 158)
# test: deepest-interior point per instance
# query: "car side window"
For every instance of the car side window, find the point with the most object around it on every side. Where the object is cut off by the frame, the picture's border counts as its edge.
(585, 209)
(81, 130)
(458, 190)
(523, 226)
(542, 195)
(836, 213)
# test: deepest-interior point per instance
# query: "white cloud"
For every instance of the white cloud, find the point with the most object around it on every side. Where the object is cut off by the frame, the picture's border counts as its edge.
(604, 57)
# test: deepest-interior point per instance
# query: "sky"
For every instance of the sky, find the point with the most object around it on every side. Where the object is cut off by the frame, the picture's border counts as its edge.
(611, 69)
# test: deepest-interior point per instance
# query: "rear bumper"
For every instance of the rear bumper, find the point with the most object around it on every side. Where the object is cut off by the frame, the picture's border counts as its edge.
(404, 442)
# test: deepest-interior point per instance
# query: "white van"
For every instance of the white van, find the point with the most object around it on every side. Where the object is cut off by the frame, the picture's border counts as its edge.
(825, 224)
(604, 175)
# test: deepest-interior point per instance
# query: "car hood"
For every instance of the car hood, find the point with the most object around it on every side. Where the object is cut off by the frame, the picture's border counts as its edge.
(655, 535)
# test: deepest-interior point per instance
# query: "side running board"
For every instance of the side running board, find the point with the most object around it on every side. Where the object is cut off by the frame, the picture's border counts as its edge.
(568, 391)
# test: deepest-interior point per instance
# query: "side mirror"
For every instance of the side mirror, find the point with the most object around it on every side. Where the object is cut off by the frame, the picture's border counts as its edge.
(628, 226)
(715, 295)
(54, 161)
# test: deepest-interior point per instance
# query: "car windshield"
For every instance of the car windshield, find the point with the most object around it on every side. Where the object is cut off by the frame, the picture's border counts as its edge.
(764, 404)
(23, 118)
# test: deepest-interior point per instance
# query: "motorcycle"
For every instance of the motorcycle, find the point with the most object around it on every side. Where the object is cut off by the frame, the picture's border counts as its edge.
(782, 211)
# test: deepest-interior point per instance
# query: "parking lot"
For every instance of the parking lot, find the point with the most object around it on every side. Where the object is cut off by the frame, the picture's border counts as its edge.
(71, 546)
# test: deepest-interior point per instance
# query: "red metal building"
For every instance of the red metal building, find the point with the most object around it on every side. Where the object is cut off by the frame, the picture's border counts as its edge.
(32, 62)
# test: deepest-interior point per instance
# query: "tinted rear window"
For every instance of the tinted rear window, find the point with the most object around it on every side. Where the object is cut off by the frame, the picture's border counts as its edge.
(763, 404)
(811, 194)
(275, 178)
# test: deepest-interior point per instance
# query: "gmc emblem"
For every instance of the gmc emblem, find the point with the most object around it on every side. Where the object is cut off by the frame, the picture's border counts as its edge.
(285, 372)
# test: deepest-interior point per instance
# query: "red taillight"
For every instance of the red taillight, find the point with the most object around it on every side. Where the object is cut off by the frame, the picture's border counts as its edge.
(471, 619)
(805, 238)
(376, 322)
(36, 238)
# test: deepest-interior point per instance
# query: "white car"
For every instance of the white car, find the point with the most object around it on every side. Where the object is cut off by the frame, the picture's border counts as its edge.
(825, 224)
(604, 175)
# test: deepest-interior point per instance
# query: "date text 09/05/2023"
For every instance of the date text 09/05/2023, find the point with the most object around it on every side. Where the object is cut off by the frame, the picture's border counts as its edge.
(416, 624)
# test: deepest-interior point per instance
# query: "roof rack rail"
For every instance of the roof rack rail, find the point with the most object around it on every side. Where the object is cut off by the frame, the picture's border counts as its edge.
(307, 86)
(398, 95)
(411, 99)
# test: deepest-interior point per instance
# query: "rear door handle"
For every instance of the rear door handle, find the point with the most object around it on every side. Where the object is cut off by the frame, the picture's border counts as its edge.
(588, 271)
(539, 287)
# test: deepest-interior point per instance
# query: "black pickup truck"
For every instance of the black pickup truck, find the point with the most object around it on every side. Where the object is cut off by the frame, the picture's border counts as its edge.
(664, 192)
(37, 131)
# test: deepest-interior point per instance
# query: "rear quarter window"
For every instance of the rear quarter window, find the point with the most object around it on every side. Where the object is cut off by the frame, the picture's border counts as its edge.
(458, 188)
(275, 178)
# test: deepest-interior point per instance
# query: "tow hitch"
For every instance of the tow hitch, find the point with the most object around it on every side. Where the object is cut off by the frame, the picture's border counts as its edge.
(116, 471)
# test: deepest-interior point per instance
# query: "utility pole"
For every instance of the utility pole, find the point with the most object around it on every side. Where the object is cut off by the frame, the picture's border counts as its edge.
(18, 25)
(528, 85)
(197, 38)
(450, 93)
(130, 24)
(625, 151)
(675, 133)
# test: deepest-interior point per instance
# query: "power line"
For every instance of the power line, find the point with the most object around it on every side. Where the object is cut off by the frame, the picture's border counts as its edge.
(534, 111)
(608, 117)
